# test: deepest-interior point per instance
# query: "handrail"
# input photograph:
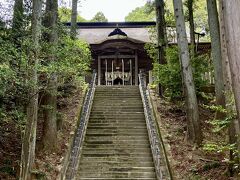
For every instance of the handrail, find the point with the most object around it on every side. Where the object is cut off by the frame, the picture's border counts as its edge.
(81, 130)
(159, 156)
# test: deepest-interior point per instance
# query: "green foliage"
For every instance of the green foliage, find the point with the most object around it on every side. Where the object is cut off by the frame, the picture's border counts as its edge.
(13, 87)
(220, 124)
(200, 15)
(141, 14)
(72, 60)
(99, 17)
(169, 74)
(65, 15)
(219, 148)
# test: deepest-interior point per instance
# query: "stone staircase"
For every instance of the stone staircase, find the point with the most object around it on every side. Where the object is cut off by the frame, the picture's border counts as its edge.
(116, 144)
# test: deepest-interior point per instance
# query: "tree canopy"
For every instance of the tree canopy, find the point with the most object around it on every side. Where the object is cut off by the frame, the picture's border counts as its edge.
(143, 13)
(99, 17)
(65, 15)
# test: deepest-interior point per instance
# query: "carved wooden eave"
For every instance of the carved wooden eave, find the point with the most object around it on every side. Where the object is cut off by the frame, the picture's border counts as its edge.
(118, 45)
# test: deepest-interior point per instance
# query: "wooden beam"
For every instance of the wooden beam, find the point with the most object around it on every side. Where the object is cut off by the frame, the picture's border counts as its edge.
(136, 68)
(99, 71)
(116, 57)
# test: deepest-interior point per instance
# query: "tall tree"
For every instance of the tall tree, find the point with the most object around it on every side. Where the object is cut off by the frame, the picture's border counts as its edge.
(49, 138)
(233, 127)
(232, 24)
(17, 29)
(216, 53)
(193, 124)
(29, 140)
(161, 35)
(17, 16)
(74, 19)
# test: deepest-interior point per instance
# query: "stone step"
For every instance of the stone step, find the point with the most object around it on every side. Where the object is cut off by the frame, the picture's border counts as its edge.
(109, 168)
(116, 125)
(119, 146)
(127, 92)
(114, 133)
(118, 174)
(110, 112)
(117, 132)
(116, 96)
(114, 106)
(117, 103)
(119, 150)
(116, 145)
(116, 128)
(120, 159)
(116, 154)
(97, 178)
(111, 93)
(118, 89)
(112, 121)
(117, 108)
(116, 121)
(118, 164)
(120, 138)
(123, 116)
(116, 142)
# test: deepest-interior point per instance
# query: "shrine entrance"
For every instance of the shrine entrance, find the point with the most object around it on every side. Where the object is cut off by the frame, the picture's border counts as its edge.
(117, 71)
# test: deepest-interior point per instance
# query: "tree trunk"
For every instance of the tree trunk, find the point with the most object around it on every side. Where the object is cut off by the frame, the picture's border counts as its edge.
(49, 138)
(29, 140)
(216, 54)
(191, 25)
(230, 104)
(74, 19)
(161, 35)
(232, 23)
(193, 124)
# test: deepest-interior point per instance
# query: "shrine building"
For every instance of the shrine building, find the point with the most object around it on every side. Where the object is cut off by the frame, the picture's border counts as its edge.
(118, 50)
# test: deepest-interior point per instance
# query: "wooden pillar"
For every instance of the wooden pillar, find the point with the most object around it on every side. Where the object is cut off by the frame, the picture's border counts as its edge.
(131, 72)
(136, 68)
(106, 72)
(123, 71)
(99, 71)
(150, 77)
(112, 72)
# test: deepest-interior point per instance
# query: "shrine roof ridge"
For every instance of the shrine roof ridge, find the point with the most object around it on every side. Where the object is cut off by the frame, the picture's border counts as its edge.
(94, 25)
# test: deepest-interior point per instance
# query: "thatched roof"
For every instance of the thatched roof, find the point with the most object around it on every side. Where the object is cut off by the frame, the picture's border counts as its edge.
(95, 33)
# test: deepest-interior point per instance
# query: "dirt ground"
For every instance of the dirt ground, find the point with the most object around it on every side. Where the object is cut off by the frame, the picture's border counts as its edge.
(10, 150)
(189, 162)
(47, 165)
